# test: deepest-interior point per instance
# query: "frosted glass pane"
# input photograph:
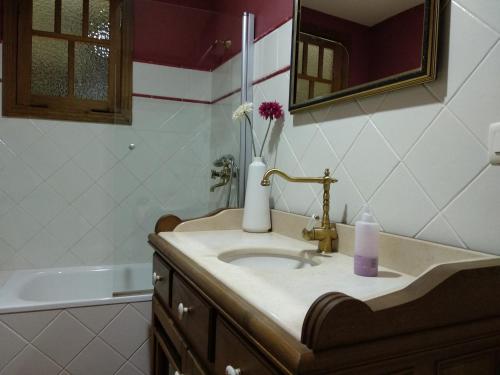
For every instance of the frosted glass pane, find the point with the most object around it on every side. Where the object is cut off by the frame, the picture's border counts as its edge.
(300, 57)
(91, 71)
(49, 70)
(312, 60)
(43, 15)
(71, 17)
(328, 64)
(99, 19)
(302, 90)
(321, 89)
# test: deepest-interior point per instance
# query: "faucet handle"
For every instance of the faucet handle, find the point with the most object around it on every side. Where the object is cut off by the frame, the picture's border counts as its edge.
(312, 222)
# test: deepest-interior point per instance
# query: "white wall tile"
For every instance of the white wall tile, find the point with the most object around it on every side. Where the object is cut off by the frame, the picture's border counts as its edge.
(401, 206)
(126, 332)
(44, 156)
(166, 81)
(29, 324)
(70, 181)
(95, 204)
(13, 227)
(341, 125)
(345, 198)
(94, 248)
(31, 361)
(459, 52)
(96, 317)
(142, 358)
(56, 343)
(284, 35)
(96, 358)
(446, 159)
(95, 159)
(474, 213)
(10, 344)
(438, 230)
(369, 161)
(43, 203)
(68, 227)
(17, 179)
(477, 102)
(413, 108)
(43, 250)
(18, 134)
(467, 86)
(487, 10)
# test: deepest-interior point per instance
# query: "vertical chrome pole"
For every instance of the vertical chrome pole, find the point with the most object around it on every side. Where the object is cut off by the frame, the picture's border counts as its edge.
(246, 135)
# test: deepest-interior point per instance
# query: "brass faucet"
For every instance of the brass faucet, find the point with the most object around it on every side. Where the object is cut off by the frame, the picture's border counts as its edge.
(327, 233)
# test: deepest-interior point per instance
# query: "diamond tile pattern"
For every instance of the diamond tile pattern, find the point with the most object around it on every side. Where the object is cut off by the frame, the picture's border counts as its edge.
(56, 342)
(417, 156)
(83, 192)
(77, 341)
(53, 172)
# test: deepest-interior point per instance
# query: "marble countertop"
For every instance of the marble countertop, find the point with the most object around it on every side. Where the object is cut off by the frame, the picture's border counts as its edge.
(283, 295)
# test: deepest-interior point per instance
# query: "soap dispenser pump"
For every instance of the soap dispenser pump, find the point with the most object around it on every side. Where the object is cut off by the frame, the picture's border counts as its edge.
(366, 245)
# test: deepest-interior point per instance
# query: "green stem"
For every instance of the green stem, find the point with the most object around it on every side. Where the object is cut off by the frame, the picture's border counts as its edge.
(265, 137)
(251, 129)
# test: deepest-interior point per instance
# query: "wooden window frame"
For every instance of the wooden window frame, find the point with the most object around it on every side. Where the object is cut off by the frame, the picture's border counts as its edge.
(17, 98)
(340, 65)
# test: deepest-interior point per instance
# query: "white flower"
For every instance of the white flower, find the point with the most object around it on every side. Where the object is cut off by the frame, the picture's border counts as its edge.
(242, 110)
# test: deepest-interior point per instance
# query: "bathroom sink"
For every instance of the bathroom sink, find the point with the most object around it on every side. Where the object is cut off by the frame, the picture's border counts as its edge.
(270, 259)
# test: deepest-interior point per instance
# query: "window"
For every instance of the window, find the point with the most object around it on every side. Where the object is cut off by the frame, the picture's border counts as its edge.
(321, 66)
(68, 60)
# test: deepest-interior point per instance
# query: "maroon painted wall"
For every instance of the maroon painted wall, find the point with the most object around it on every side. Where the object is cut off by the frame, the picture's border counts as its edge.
(172, 35)
(352, 35)
(390, 47)
(180, 32)
(405, 31)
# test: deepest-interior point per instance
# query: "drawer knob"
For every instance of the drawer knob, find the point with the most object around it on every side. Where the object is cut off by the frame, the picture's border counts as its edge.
(230, 370)
(156, 278)
(182, 310)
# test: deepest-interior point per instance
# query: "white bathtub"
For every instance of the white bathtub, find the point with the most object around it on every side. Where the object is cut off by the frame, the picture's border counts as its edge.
(55, 288)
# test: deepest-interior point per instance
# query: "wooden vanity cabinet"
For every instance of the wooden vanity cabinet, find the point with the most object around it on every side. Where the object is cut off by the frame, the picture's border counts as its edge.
(201, 327)
(194, 340)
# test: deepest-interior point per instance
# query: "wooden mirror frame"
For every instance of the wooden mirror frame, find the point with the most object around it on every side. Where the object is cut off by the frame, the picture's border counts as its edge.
(426, 73)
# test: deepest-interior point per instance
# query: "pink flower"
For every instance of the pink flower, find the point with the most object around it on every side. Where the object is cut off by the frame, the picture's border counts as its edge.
(271, 110)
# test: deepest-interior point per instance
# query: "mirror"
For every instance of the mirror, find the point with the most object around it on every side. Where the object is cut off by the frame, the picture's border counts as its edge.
(343, 49)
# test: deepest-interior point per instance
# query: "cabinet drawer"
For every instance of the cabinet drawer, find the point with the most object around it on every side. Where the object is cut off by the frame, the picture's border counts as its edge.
(161, 279)
(233, 351)
(193, 316)
(192, 366)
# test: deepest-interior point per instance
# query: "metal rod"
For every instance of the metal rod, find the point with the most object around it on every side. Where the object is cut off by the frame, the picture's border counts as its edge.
(246, 96)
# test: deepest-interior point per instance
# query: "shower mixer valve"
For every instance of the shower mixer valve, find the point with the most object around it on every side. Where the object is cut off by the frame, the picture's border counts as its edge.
(225, 175)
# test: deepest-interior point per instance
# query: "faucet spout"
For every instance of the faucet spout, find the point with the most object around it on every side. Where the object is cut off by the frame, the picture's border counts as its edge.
(327, 233)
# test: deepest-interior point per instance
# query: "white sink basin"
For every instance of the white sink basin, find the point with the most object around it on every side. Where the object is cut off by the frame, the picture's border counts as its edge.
(271, 259)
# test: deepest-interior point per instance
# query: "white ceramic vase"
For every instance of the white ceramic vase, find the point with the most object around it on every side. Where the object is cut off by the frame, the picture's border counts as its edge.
(256, 215)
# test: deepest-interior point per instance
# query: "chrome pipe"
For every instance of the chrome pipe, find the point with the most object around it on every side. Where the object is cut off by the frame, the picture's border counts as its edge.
(247, 55)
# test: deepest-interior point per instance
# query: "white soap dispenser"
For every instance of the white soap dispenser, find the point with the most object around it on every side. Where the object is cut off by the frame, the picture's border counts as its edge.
(366, 245)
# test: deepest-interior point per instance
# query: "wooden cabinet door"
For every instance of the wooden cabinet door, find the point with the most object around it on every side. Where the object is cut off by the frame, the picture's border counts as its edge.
(231, 350)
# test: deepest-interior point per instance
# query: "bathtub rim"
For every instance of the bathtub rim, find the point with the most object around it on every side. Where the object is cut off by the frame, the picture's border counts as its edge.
(10, 302)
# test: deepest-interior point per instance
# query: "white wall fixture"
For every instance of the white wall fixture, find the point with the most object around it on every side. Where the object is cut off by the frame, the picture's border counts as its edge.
(494, 144)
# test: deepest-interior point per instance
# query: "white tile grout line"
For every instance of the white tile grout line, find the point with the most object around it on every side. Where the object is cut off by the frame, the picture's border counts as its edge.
(477, 17)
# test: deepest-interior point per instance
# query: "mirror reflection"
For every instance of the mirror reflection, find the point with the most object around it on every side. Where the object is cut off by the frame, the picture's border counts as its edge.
(346, 45)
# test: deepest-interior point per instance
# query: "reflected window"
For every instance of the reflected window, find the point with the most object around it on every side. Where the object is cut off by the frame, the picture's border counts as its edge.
(322, 67)
(69, 59)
